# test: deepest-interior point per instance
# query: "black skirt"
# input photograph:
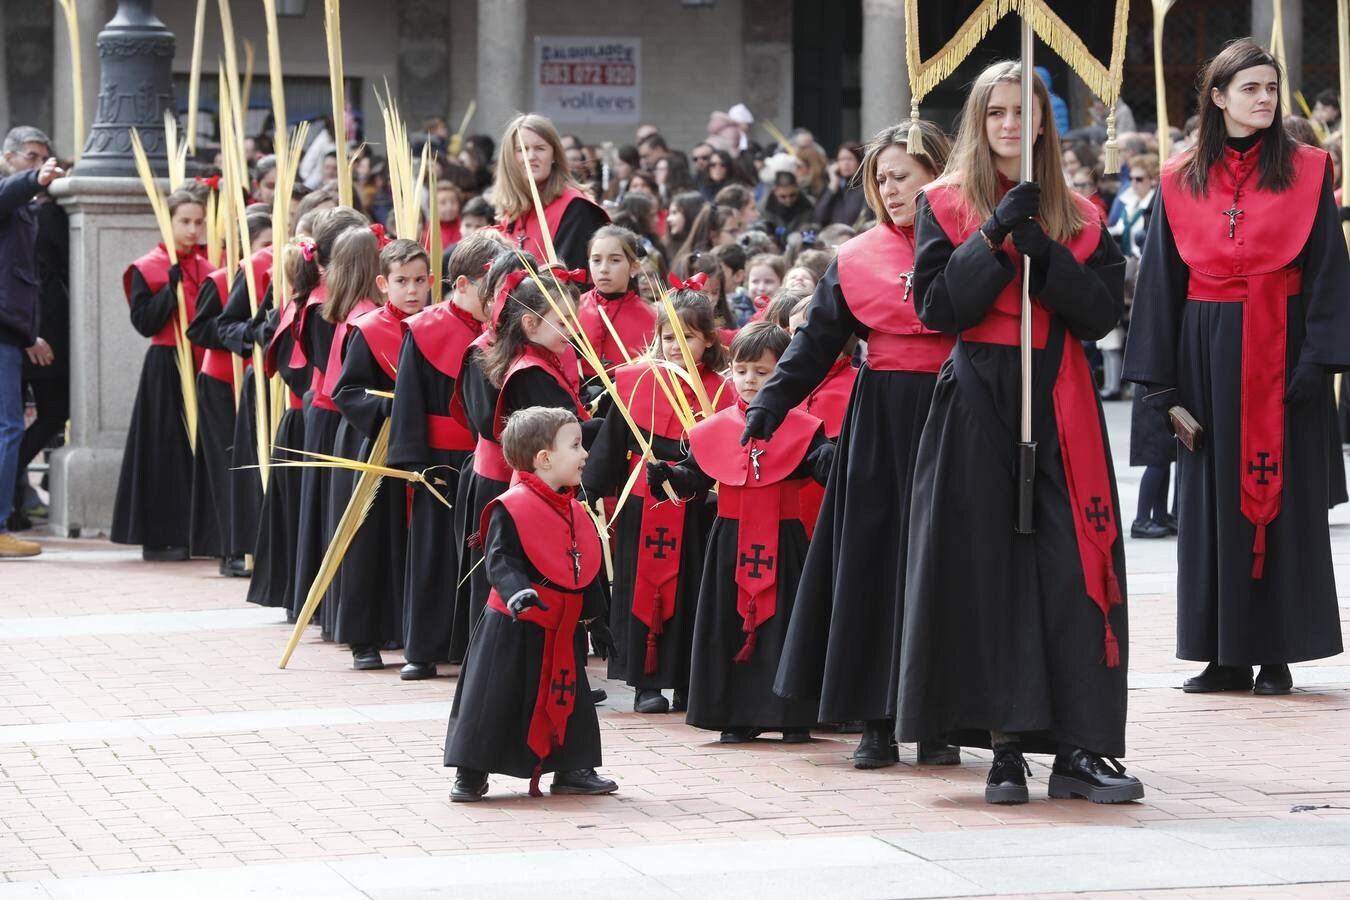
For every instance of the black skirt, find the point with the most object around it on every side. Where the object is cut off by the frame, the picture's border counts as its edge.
(154, 491)
(313, 532)
(432, 572)
(274, 558)
(246, 490)
(475, 493)
(210, 467)
(843, 642)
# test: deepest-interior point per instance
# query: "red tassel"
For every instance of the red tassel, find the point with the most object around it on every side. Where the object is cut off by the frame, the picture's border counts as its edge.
(1113, 597)
(1259, 552)
(476, 541)
(1112, 647)
(650, 665)
(747, 650)
(534, 781)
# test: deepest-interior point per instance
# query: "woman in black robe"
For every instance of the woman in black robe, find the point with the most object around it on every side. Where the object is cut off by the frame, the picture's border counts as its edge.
(843, 644)
(1018, 640)
(1252, 589)
(215, 430)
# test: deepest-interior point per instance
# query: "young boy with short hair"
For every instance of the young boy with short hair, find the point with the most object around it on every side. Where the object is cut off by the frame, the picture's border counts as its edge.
(523, 706)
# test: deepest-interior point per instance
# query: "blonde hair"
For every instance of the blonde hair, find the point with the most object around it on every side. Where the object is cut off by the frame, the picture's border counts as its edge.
(936, 149)
(511, 192)
(972, 169)
(351, 274)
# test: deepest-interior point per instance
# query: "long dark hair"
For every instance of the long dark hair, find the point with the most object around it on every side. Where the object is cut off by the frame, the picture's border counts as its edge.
(1276, 162)
(695, 311)
(526, 299)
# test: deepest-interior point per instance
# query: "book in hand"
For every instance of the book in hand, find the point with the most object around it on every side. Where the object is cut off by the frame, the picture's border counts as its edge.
(1189, 431)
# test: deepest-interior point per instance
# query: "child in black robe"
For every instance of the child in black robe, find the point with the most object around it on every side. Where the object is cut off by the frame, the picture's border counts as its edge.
(523, 706)
(755, 550)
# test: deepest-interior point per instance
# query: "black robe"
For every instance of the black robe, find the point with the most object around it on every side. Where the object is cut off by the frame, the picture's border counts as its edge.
(239, 328)
(431, 574)
(370, 592)
(605, 475)
(495, 697)
(724, 694)
(313, 534)
(215, 434)
(843, 642)
(999, 631)
(154, 491)
(1223, 614)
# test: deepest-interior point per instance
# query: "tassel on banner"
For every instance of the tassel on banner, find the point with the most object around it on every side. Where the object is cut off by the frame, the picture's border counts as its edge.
(1111, 161)
(914, 144)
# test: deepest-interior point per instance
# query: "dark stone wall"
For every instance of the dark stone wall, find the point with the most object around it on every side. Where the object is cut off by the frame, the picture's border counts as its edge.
(29, 62)
(423, 59)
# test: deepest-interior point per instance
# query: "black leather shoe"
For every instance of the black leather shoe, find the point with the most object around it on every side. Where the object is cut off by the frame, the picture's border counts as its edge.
(598, 696)
(679, 701)
(417, 671)
(1147, 529)
(164, 554)
(1273, 680)
(796, 735)
(233, 567)
(470, 786)
(1007, 781)
(582, 781)
(877, 749)
(1170, 523)
(1217, 678)
(367, 657)
(938, 753)
(738, 735)
(1092, 777)
(648, 701)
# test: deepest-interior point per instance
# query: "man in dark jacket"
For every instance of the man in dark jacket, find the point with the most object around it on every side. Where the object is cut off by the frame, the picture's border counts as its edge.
(27, 152)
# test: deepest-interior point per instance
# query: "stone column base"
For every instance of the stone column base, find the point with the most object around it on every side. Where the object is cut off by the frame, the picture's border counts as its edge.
(83, 487)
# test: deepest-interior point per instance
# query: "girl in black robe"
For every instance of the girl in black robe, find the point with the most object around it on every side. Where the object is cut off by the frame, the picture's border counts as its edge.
(154, 491)
(843, 643)
(1010, 639)
(648, 659)
(215, 429)
(1252, 589)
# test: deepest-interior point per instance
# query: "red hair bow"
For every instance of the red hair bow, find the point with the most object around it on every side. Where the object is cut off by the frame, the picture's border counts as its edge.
(694, 282)
(308, 248)
(509, 284)
(579, 276)
(213, 182)
(381, 238)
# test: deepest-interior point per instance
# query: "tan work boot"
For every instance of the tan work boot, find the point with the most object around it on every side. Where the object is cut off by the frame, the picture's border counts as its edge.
(12, 546)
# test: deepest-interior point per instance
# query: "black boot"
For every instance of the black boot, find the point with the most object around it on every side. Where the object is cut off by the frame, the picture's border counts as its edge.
(415, 671)
(1007, 781)
(938, 753)
(582, 781)
(1079, 773)
(796, 735)
(366, 656)
(738, 735)
(234, 567)
(598, 696)
(649, 701)
(470, 786)
(1149, 530)
(1217, 678)
(679, 701)
(1273, 680)
(877, 749)
(164, 554)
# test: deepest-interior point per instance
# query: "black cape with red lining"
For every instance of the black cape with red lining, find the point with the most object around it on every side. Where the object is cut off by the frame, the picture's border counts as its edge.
(495, 696)
(154, 490)
(724, 694)
(843, 644)
(1223, 614)
(607, 471)
(432, 573)
(370, 592)
(999, 631)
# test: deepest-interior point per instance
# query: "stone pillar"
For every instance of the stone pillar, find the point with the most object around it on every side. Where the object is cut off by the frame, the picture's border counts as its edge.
(91, 17)
(1291, 11)
(423, 60)
(885, 81)
(767, 75)
(503, 50)
(110, 225)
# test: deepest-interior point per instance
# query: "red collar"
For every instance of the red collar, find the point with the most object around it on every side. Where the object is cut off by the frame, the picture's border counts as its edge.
(398, 314)
(465, 316)
(559, 500)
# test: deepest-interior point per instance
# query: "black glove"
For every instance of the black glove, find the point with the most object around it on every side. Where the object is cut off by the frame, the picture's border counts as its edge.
(1022, 202)
(658, 473)
(760, 423)
(1158, 397)
(523, 601)
(1031, 240)
(175, 276)
(602, 640)
(386, 406)
(1305, 383)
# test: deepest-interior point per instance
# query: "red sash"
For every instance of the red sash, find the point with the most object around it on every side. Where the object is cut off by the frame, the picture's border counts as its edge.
(633, 318)
(154, 269)
(489, 462)
(1077, 408)
(383, 330)
(754, 490)
(1252, 268)
(550, 541)
(327, 383)
(561, 368)
(216, 363)
(524, 229)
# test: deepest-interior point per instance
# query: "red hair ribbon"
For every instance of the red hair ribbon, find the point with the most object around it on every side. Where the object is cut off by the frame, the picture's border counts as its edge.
(579, 276)
(381, 238)
(509, 284)
(308, 248)
(213, 182)
(694, 282)
(762, 302)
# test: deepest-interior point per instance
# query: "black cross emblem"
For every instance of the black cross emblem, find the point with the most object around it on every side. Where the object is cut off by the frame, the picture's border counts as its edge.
(757, 561)
(1263, 469)
(1232, 215)
(1097, 514)
(564, 687)
(660, 543)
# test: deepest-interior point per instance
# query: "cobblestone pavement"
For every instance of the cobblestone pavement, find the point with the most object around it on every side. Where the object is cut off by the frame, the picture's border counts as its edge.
(149, 746)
